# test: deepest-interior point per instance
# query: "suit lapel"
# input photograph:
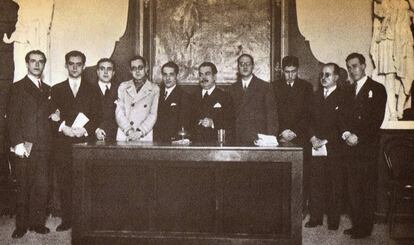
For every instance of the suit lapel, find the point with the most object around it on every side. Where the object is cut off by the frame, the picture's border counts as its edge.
(32, 89)
(362, 91)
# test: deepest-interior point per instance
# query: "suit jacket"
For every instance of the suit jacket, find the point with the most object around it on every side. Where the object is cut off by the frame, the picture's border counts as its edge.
(107, 117)
(365, 113)
(219, 107)
(136, 110)
(293, 108)
(86, 101)
(28, 115)
(326, 119)
(255, 110)
(173, 113)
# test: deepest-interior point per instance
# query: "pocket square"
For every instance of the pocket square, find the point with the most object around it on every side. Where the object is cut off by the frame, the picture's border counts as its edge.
(336, 108)
(370, 94)
(173, 104)
(217, 105)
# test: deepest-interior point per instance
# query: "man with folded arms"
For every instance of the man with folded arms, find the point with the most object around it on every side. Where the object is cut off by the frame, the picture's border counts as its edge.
(173, 106)
(31, 139)
(72, 97)
(212, 108)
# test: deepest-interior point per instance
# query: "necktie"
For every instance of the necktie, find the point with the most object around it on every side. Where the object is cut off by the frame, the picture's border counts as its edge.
(106, 90)
(290, 85)
(39, 82)
(165, 94)
(244, 87)
(205, 96)
(354, 88)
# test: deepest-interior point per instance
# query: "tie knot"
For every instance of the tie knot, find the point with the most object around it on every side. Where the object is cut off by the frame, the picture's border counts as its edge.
(205, 96)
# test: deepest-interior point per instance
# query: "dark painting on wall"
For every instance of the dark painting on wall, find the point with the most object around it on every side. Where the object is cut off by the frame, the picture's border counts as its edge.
(189, 32)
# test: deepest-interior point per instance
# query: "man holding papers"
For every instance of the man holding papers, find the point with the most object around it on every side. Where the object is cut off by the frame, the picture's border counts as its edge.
(30, 134)
(78, 103)
(326, 170)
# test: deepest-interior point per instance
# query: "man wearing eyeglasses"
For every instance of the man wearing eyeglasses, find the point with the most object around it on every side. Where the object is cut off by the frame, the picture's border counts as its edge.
(137, 104)
(254, 103)
(326, 171)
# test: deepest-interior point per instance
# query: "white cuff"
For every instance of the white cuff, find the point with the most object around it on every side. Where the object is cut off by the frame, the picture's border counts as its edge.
(345, 135)
(63, 124)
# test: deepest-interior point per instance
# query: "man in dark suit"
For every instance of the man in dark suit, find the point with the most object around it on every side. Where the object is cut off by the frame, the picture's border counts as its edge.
(212, 108)
(173, 106)
(255, 107)
(326, 171)
(365, 113)
(72, 97)
(31, 138)
(108, 91)
(293, 96)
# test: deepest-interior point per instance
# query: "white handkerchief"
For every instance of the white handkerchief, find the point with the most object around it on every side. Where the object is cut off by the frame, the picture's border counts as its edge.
(321, 151)
(173, 104)
(80, 121)
(217, 105)
(370, 94)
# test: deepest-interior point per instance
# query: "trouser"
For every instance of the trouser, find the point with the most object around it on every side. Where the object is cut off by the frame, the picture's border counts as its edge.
(362, 176)
(326, 175)
(63, 168)
(32, 189)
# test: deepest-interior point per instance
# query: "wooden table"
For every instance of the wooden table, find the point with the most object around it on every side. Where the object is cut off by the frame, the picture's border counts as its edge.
(145, 193)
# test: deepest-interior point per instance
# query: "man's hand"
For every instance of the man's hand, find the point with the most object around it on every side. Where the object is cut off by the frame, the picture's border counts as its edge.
(55, 116)
(287, 135)
(316, 143)
(20, 150)
(68, 131)
(79, 132)
(206, 122)
(100, 134)
(134, 135)
(352, 140)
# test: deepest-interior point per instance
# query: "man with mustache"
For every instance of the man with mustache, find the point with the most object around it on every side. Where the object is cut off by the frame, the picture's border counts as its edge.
(212, 108)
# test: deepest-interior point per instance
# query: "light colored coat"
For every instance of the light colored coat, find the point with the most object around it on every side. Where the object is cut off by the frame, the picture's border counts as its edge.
(136, 110)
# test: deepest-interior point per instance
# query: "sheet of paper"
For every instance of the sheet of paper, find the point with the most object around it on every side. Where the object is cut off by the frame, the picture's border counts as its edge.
(80, 121)
(320, 152)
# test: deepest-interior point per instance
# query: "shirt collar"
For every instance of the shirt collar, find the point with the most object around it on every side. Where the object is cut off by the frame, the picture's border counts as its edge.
(170, 89)
(34, 79)
(246, 82)
(329, 90)
(208, 91)
(74, 80)
(361, 83)
(103, 86)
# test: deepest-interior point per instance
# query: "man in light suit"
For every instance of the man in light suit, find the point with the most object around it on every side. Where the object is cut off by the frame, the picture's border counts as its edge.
(108, 91)
(326, 171)
(212, 108)
(360, 134)
(255, 106)
(173, 107)
(137, 104)
(72, 97)
(29, 123)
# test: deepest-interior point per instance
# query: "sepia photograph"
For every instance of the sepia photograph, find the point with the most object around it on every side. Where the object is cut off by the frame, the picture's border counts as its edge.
(206, 122)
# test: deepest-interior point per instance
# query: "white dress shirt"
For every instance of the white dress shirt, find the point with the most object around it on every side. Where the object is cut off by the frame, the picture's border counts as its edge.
(103, 86)
(36, 81)
(74, 85)
(203, 91)
(360, 83)
(168, 91)
(328, 91)
(246, 82)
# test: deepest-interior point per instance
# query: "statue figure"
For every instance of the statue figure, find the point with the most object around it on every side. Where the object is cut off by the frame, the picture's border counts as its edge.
(393, 52)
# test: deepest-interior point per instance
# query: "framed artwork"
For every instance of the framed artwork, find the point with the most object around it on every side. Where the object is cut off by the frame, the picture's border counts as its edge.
(190, 32)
